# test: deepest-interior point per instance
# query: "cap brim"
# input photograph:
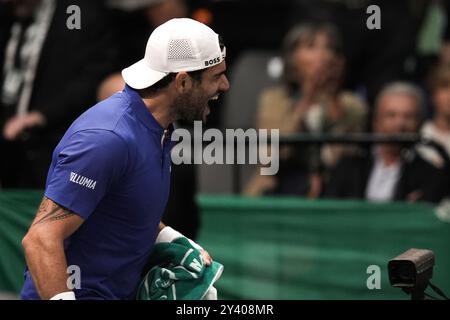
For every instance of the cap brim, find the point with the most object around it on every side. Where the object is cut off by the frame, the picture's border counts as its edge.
(140, 75)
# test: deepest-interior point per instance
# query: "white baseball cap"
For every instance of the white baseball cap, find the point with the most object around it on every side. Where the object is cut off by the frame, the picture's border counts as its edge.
(180, 44)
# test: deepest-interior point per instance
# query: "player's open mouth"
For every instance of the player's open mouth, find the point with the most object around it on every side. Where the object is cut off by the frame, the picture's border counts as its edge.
(214, 98)
(207, 110)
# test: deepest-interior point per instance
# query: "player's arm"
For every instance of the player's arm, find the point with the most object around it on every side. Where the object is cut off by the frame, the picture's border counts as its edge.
(44, 248)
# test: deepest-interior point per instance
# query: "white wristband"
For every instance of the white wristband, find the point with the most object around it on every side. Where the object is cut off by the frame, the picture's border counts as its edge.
(195, 244)
(68, 295)
(168, 234)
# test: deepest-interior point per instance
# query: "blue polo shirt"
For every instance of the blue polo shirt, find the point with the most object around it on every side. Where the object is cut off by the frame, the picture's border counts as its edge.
(111, 169)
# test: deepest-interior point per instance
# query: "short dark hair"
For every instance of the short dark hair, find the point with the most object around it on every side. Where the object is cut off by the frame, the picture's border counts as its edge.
(164, 82)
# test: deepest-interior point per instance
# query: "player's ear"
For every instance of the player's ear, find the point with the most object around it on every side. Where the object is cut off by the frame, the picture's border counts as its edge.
(183, 82)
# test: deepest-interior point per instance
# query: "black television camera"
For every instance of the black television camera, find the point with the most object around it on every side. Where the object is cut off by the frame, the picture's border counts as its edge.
(412, 271)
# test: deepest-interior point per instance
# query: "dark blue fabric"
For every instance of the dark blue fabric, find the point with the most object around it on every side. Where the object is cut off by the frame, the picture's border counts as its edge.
(111, 170)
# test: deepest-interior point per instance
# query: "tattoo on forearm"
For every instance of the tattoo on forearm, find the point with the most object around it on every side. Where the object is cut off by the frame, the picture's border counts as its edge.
(56, 213)
(45, 206)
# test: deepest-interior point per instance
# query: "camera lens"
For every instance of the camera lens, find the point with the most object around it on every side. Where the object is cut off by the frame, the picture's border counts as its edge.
(405, 272)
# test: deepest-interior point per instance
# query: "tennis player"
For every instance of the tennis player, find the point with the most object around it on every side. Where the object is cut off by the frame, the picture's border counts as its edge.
(108, 183)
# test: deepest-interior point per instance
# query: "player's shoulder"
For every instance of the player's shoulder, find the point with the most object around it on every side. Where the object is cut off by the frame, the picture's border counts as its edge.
(94, 140)
(99, 124)
(105, 115)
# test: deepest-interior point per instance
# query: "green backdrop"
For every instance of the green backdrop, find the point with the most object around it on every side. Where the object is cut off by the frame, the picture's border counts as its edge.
(280, 248)
(300, 249)
(17, 209)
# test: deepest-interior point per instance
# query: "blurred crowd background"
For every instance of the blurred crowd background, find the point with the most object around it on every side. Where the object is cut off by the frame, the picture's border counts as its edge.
(301, 66)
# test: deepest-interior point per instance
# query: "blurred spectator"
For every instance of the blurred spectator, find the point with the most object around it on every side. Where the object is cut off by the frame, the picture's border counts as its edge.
(444, 54)
(49, 76)
(249, 25)
(438, 128)
(388, 171)
(375, 57)
(310, 101)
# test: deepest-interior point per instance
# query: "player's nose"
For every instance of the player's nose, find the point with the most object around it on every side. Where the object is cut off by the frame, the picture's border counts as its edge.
(224, 84)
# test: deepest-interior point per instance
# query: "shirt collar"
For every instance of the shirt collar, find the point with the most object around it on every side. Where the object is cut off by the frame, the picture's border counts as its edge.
(144, 115)
(379, 161)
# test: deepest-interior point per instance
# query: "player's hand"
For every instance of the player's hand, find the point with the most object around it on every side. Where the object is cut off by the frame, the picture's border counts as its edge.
(206, 257)
(168, 234)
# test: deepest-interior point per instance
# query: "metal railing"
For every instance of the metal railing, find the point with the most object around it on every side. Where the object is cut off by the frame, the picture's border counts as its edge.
(362, 139)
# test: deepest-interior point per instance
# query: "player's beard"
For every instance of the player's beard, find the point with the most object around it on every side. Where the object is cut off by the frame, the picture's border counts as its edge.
(190, 107)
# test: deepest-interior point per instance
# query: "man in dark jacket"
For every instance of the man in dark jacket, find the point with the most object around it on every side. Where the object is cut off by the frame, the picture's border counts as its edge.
(53, 55)
(390, 172)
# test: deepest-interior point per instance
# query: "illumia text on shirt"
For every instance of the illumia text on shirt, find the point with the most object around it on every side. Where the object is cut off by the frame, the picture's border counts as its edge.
(259, 149)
